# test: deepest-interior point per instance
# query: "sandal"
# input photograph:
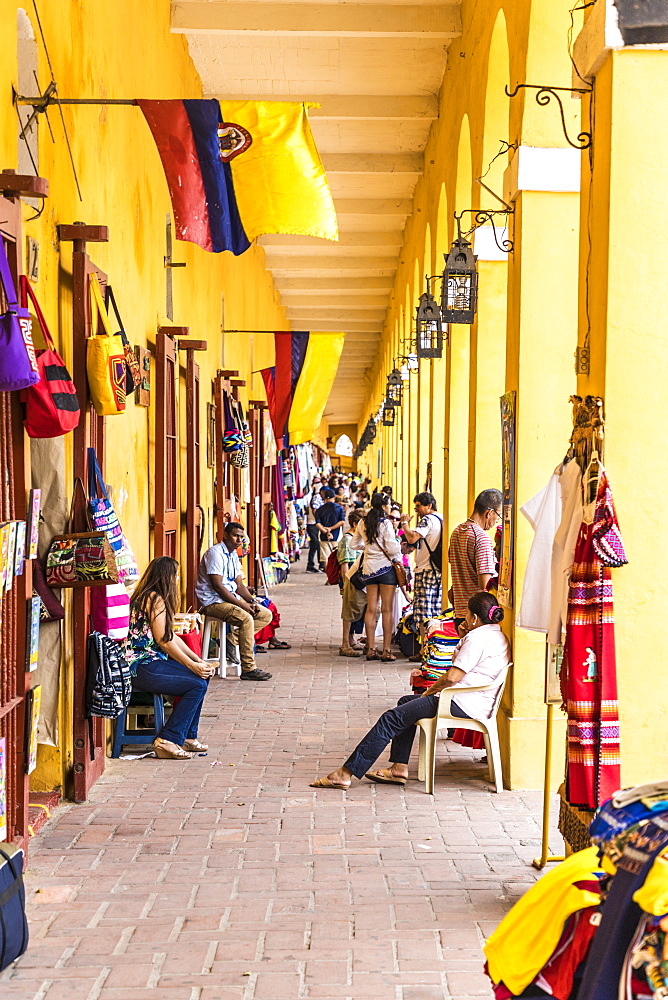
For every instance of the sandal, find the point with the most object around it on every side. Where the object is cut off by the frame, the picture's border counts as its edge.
(166, 750)
(278, 644)
(326, 783)
(387, 656)
(349, 651)
(384, 777)
(373, 654)
(194, 746)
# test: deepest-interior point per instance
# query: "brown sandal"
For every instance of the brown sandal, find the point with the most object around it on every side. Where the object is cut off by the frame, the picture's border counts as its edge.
(166, 750)
(388, 657)
(373, 654)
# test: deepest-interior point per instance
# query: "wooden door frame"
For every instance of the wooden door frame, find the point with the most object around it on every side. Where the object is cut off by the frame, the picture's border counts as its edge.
(166, 519)
(223, 467)
(14, 625)
(193, 512)
(88, 763)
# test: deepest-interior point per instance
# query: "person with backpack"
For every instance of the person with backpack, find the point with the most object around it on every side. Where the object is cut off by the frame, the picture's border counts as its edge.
(162, 663)
(353, 600)
(427, 537)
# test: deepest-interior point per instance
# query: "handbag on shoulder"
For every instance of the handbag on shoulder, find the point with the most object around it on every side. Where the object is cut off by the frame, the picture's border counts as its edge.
(18, 363)
(105, 359)
(80, 559)
(51, 405)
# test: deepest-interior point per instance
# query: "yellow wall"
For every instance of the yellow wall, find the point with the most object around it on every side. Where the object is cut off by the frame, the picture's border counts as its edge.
(122, 49)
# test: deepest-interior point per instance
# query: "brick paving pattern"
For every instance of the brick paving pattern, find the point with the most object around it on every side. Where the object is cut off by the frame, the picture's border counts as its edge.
(228, 878)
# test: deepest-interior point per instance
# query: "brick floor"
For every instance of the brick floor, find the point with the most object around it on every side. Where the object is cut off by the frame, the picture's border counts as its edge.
(228, 878)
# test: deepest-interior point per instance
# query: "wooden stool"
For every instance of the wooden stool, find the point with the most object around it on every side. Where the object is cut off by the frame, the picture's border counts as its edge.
(222, 630)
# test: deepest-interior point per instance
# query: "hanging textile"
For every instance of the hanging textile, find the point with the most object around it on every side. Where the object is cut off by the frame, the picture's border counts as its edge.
(278, 494)
(543, 513)
(588, 676)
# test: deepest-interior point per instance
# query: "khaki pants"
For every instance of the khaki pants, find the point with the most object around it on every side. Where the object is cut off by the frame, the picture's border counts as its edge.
(326, 549)
(245, 625)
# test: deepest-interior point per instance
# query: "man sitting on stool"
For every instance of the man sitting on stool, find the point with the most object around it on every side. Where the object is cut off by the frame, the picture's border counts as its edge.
(222, 594)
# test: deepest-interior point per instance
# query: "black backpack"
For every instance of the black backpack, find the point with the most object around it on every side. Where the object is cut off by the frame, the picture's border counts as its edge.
(436, 554)
(13, 923)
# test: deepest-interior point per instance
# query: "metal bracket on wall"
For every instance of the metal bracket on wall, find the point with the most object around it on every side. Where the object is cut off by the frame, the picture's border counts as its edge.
(485, 216)
(544, 96)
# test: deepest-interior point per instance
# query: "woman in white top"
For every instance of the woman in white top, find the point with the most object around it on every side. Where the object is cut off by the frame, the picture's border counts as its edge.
(481, 657)
(377, 537)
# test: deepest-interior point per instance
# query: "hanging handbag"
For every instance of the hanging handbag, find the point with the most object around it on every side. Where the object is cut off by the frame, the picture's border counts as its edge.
(13, 921)
(132, 369)
(233, 437)
(80, 559)
(104, 517)
(105, 359)
(18, 363)
(51, 405)
(50, 608)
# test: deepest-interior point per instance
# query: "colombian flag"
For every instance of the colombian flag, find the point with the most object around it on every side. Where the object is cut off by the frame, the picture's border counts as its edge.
(299, 384)
(237, 170)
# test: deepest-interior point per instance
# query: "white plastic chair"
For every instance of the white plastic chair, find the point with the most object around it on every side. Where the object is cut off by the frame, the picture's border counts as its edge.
(444, 719)
(222, 631)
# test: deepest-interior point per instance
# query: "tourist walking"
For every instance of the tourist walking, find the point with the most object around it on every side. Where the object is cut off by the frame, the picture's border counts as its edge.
(471, 552)
(377, 538)
(312, 529)
(427, 537)
(480, 658)
(222, 593)
(353, 600)
(162, 663)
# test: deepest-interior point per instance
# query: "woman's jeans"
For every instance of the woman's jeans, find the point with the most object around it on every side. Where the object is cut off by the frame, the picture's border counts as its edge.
(169, 677)
(397, 725)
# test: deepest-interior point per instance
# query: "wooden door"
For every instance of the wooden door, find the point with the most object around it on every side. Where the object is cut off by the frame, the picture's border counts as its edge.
(194, 513)
(225, 481)
(14, 483)
(261, 487)
(166, 520)
(88, 761)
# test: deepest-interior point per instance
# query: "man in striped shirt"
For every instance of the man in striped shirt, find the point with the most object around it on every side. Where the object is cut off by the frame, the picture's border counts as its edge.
(471, 553)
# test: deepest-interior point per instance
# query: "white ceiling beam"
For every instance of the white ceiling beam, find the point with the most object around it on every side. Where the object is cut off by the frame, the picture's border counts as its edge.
(335, 265)
(339, 286)
(297, 304)
(347, 20)
(373, 163)
(362, 107)
(352, 241)
(399, 207)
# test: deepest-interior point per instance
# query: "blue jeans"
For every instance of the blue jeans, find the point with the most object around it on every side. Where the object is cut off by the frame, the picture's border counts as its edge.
(169, 677)
(397, 725)
(313, 533)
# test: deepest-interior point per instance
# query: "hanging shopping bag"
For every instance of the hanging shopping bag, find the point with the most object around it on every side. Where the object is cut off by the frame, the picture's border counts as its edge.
(80, 559)
(132, 369)
(13, 921)
(104, 517)
(233, 437)
(110, 611)
(105, 359)
(18, 362)
(51, 405)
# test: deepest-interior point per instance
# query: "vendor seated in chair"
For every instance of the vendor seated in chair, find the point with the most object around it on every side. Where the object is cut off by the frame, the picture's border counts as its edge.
(222, 593)
(162, 663)
(481, 657)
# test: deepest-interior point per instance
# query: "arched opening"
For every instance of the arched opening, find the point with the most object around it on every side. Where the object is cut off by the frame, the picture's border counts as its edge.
(28, 151)
(343, 446)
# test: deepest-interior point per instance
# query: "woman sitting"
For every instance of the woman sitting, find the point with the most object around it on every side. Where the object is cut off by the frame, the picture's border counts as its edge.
(481, 657)
(376, 536)
(162, 663)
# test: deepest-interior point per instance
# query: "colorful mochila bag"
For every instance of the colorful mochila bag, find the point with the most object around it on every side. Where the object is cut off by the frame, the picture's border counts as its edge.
(51, 405)
(132, 369)
(18, 363)
(233, 434)
(105, 359)
(80, 559)
(105, 518)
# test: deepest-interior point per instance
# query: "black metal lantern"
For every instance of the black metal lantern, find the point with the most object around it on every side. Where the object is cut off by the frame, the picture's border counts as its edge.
(394, 389)
(388, 416)
(460, 283)
(428, 328)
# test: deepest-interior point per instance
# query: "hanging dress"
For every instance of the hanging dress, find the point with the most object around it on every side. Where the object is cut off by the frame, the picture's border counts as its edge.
(588, 676)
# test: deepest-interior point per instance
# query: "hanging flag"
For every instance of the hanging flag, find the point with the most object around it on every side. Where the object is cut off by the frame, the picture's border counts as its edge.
(280, 182)
(299, 384)
(220, 202)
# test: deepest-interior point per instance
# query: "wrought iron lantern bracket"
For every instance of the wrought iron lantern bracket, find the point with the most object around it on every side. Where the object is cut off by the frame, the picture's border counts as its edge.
(482, 217)
(544, 96)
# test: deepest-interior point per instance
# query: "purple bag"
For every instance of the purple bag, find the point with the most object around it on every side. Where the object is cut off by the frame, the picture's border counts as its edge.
(18, 362)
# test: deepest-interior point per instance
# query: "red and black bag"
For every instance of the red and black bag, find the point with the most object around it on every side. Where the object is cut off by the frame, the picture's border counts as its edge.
(333, 569)
(51, 406)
